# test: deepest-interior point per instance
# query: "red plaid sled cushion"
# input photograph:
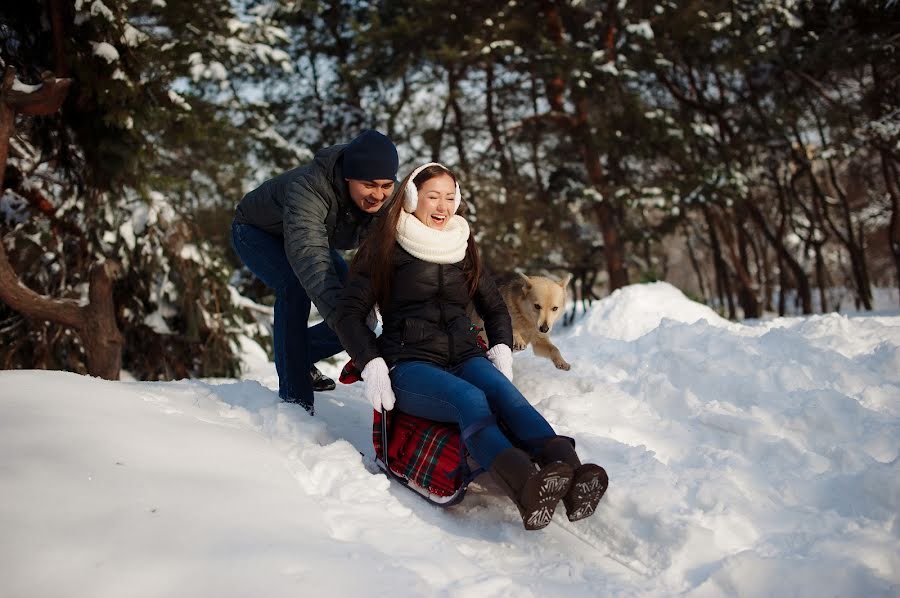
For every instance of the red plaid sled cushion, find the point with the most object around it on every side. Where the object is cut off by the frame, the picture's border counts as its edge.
(424, 452)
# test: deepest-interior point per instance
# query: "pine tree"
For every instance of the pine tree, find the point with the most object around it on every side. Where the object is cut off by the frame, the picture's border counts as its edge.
(156, 122)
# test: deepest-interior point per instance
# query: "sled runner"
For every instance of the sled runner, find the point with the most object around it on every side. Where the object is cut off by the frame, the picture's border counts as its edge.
(428, 457)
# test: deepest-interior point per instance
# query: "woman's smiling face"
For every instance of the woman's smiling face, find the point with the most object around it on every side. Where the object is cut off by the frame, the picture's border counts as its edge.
(437, 197)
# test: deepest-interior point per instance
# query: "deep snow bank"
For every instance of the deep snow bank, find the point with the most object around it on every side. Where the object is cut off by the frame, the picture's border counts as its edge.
(751, 460)
(633, 311)
(743, 459)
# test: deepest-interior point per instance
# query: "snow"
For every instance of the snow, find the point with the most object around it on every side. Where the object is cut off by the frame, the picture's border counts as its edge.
(98, 8)
(214, 70)
(641, 29)
(12, 207)
(633, 311)
(132, 36)
(106, 51)
(610, 69)
(745, 459)
(156, 321)
(703, 129)
(24, 87)
(179, 101)
(191, 252)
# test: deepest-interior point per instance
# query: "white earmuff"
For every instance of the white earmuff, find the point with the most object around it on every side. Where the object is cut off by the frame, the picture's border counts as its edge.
(411, 193)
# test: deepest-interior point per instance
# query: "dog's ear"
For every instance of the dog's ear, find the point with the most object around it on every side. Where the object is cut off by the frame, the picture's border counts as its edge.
(526, 282)
(565, 281)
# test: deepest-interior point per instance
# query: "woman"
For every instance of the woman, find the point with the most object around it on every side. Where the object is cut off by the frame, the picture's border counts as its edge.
(421, 267)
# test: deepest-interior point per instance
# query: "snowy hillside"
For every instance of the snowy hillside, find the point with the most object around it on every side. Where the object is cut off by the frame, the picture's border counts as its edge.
(751, 460)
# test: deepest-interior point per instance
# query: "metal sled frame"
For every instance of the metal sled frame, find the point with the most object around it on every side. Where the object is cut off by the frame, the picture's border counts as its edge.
(467, 473)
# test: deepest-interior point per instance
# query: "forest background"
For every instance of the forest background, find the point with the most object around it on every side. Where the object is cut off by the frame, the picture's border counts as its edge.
(747, 152)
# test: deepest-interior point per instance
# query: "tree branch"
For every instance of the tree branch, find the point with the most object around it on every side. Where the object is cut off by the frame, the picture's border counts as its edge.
(33, 305)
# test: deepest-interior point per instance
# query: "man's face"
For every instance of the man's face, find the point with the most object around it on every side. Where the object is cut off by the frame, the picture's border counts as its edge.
(369, 196)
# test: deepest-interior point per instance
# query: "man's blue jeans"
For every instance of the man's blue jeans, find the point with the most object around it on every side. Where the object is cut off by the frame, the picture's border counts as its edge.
(465, 394)
(296, 347)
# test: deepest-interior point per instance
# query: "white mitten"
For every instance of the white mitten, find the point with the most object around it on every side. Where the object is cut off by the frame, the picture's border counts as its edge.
(501, 357)
(378, 384)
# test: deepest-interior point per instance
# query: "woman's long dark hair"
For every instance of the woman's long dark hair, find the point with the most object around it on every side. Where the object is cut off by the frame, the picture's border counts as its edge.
(375, 255)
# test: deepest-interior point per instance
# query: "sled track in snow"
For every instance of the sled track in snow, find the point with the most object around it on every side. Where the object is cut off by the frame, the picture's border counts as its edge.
(602, 552)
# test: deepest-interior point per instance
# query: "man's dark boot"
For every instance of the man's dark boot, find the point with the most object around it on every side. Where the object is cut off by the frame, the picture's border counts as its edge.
(308, 406)
(588, 484)
(535, 492)
(320, 381)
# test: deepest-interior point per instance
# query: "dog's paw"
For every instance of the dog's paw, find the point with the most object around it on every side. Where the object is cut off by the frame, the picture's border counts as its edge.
(562, 365)
(519, 343)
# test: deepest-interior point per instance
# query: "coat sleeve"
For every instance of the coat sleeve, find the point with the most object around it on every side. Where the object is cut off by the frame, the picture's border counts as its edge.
(308, 249)
(492, 309)
(354, 306)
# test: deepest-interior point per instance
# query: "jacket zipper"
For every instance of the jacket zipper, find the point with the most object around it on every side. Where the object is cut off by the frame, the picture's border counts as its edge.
(443, 319)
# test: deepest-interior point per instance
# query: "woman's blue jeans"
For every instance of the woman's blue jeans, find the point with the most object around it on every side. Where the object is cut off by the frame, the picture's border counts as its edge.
(465, 394)
(296, 347)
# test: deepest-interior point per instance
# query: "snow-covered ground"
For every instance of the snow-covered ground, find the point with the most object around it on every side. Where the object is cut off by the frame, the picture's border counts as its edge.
(752, 459)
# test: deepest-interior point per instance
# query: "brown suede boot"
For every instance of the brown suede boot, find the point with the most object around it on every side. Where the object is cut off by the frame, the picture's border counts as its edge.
(535, 492)
(588, 484)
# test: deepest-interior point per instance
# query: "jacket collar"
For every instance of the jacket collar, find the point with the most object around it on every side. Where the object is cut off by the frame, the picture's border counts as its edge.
(330, 160)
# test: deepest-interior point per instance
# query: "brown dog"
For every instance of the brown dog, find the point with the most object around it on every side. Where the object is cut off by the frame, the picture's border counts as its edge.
(534, 303)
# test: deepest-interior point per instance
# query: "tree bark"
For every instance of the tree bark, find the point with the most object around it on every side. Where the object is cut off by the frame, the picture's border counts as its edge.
(802, 281)
(459, 119)
(695, 263)
(58, 27)
(95, 323)
(749, 287)
(494, 130)
(747, 295)
(892, 182)
(607, 215)
(722, 278)
(847, 236)
(101, 336)
(535, 139)
(821, 276)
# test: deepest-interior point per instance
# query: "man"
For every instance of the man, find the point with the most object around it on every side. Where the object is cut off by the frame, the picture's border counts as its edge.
(287, 231)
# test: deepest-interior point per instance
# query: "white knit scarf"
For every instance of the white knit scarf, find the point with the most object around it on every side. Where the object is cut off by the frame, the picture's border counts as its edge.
(446, 246)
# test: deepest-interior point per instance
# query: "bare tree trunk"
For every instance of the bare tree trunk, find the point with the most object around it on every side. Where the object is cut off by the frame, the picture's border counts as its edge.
(766, 275)
(853, 241)
(847, 236)
(435, 139)
(856, 188)
(535, 139)
(892, 182)
(782, 285)
(100, 335)
(722, 276)
(459, 118)
(784, 256)
(749, 288)
(746, 288)
(94, 323)
(494, 130)
(395, 109)
(334, 16)
(58, 28)
(695, 264)
(821, 277)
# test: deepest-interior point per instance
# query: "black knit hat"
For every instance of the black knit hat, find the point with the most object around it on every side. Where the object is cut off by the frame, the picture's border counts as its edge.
(371, 156)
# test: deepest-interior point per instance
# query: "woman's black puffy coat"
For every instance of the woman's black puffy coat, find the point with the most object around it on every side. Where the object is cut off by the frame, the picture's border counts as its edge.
(425, 318)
